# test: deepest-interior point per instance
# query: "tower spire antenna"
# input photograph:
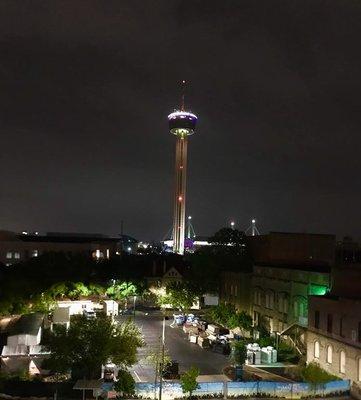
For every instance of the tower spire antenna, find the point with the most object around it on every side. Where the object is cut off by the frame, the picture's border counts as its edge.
(183, 94)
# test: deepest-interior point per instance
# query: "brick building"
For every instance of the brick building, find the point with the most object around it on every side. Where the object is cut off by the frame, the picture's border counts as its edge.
(334, 329)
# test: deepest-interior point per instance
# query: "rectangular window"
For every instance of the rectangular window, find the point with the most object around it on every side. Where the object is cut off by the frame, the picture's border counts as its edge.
(285, 305)
(9, 254)
(317, 319)
(329, 323)
(271, 300)
(34, 253)
(267, 300)
(341, 327)
(17, 255)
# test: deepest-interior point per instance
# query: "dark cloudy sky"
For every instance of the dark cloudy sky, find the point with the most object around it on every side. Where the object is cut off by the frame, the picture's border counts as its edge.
(86, 86)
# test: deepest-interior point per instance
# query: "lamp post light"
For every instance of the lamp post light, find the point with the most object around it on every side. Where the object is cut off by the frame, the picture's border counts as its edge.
(232, 224)
(113, 281)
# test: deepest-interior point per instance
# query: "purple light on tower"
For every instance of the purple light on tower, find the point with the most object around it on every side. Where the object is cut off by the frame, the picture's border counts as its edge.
(181, 124)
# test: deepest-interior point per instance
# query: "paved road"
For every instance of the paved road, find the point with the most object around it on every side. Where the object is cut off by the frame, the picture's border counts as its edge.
(180, 349)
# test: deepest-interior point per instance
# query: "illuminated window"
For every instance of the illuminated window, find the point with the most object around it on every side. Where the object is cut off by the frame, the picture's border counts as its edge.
(316, 350)
(9, 254)
(16, 255)
(35, 253)
(342, 362)
(329, 354)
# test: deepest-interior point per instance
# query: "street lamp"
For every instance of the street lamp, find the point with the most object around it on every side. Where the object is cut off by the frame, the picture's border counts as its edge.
(113, 281)
(134, 300)
(232, 224)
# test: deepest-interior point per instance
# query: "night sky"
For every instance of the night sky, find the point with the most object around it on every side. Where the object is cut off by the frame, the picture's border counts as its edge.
(86, 87)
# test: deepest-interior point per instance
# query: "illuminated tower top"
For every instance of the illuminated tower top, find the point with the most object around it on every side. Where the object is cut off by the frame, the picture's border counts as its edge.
(182, 123)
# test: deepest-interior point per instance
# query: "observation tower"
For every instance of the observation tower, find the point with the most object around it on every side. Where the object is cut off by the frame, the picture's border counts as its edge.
(182, 124)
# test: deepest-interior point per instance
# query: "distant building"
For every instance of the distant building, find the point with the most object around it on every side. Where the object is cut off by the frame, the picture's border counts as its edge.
(15, 247)
(236, 289)
(163, 273)
(293, 249)
(348, 251)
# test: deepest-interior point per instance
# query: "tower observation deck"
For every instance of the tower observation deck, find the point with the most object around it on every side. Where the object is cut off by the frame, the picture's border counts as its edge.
(181, 124)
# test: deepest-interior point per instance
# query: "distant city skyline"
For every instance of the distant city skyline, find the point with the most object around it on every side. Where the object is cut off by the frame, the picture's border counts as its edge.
(85, 93)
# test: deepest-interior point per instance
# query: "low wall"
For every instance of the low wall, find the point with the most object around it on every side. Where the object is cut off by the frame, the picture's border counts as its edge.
(173, 390)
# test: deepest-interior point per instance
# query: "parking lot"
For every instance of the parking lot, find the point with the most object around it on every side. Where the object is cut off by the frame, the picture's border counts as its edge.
(180, 349)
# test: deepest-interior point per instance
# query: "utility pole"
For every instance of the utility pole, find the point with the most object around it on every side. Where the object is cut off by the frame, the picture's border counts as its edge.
(161, 369)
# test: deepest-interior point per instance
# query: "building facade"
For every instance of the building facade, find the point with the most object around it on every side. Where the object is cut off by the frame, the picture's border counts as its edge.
(334, 337)
(280, 295)
(236, 289)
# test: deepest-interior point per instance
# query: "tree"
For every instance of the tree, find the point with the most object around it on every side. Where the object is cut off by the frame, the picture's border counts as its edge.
(188, 381)
(179, 295)
(125, 383)
(239, 352)
(90, 343)
(156, 359)
(121, 290)
(77, 290)
(313, 374)
(228, 237)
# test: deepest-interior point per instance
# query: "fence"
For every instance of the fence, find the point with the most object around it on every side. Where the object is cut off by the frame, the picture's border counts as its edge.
(173, 390)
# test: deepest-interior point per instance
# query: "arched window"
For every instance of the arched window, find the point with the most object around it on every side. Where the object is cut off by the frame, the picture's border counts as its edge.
(316, 350)
(329, 354)
(342, 362)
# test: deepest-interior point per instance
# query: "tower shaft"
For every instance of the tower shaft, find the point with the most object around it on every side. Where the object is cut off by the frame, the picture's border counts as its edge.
(180, 194)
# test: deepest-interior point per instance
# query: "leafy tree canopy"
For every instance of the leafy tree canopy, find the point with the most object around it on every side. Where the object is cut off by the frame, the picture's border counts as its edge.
(121, 290)
(179, 295)
(125, 383)
(188, 381)
(315, 375)
(239, 352)
(90, 343)
(228, 316)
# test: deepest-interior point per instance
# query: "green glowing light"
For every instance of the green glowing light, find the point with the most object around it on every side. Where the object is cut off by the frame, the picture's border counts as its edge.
(318, 290)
